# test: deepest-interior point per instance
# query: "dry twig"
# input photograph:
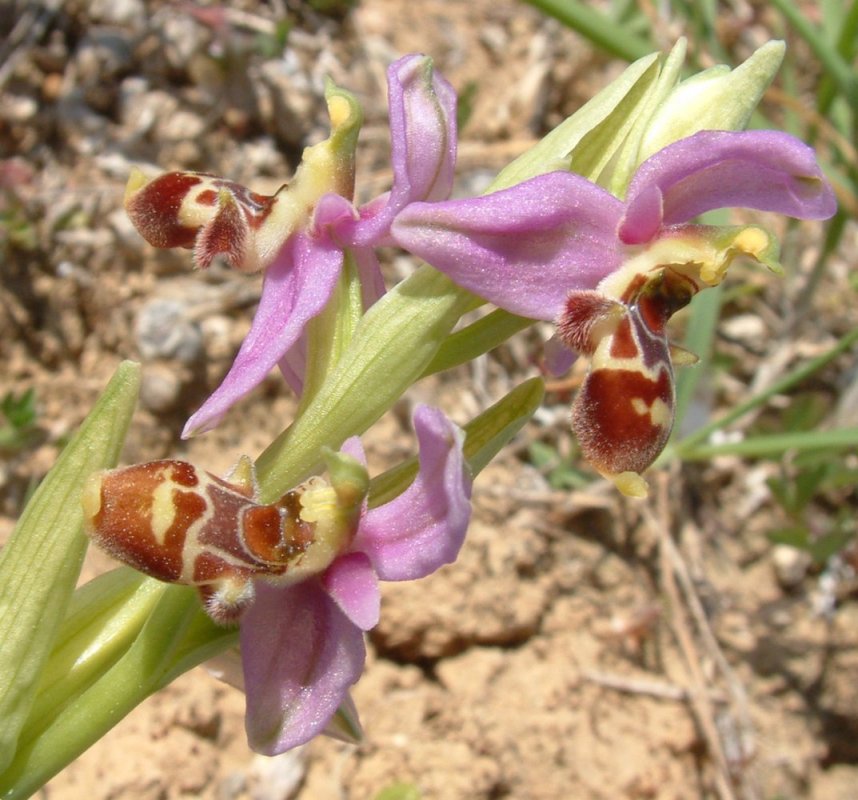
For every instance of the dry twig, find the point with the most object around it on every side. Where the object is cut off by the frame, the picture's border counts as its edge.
(684, 602)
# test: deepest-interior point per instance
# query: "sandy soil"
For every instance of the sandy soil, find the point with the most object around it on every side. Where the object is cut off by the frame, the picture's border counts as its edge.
(584, 645)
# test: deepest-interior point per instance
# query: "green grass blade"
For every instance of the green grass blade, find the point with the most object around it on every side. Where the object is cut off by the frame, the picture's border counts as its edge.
(699, 338)
(693, 441)
(776, 444)
(596, 27)
(833, 63)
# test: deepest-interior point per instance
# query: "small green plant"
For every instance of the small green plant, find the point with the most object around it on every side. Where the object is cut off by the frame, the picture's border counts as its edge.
(399, 791)
(559, 470)
(798, 493)
(20, 428)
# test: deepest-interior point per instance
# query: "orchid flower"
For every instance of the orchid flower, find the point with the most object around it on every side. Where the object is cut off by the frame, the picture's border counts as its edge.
(304, 233)
(610, 273)
(300, 575)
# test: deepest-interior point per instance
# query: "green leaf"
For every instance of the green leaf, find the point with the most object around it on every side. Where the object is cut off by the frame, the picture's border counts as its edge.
(836, 67)
(475, 339)
(392, 346)
(831, 543)
(20, 411)
(41, 562)
(176, 636)
(793, 378)
(796, 536)
(104, 617)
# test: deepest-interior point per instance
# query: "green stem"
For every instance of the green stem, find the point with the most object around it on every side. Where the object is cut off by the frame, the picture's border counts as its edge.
(393, 344)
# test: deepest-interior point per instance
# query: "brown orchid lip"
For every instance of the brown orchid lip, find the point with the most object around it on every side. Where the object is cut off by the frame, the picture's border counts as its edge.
(212, 215)
(177, 523)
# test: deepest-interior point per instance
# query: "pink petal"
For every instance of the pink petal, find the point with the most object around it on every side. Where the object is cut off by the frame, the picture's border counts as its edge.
(424, 527)
(353, 447)
(351, 582)
(422, 131)
(297, 286)
(764, 170)
(422, 144)
(522, 248)
(300, 654)
(336, 217)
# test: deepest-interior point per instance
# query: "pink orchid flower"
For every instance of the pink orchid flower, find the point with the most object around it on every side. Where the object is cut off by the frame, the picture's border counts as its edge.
(610, 273)
(300, 234)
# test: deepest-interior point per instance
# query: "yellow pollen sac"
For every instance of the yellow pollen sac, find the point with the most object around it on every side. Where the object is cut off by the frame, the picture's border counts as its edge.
(339, 110)
(136, 181)
(752, 242)
(91, 497)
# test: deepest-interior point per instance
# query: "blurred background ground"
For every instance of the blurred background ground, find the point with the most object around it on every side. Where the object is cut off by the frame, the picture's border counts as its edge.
(573, 651)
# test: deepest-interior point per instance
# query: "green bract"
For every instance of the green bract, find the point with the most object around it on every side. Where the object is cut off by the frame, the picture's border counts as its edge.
(40, 564)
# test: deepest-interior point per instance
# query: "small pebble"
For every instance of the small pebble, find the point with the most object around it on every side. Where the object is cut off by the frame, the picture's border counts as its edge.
(790, 565)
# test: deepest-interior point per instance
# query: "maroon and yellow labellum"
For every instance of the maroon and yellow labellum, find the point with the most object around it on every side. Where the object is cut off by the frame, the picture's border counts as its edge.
(212, 215)
(623, 414)
(180, 524)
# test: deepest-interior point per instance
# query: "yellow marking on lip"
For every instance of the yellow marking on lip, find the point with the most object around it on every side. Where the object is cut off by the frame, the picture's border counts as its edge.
(163, 509)
(658, 411)
(91, 497)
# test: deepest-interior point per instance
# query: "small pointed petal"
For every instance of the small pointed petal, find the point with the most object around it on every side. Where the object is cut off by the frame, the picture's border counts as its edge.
(351, 582)
(354, 448)
(301, 654)
(522, 248)
(371, 280)
(763, 170)
(293, 366)
(345, 724)
(297, 286)
(557, 358)
(422, 144)
(422, 131)
(424, 527)
(682, 357)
